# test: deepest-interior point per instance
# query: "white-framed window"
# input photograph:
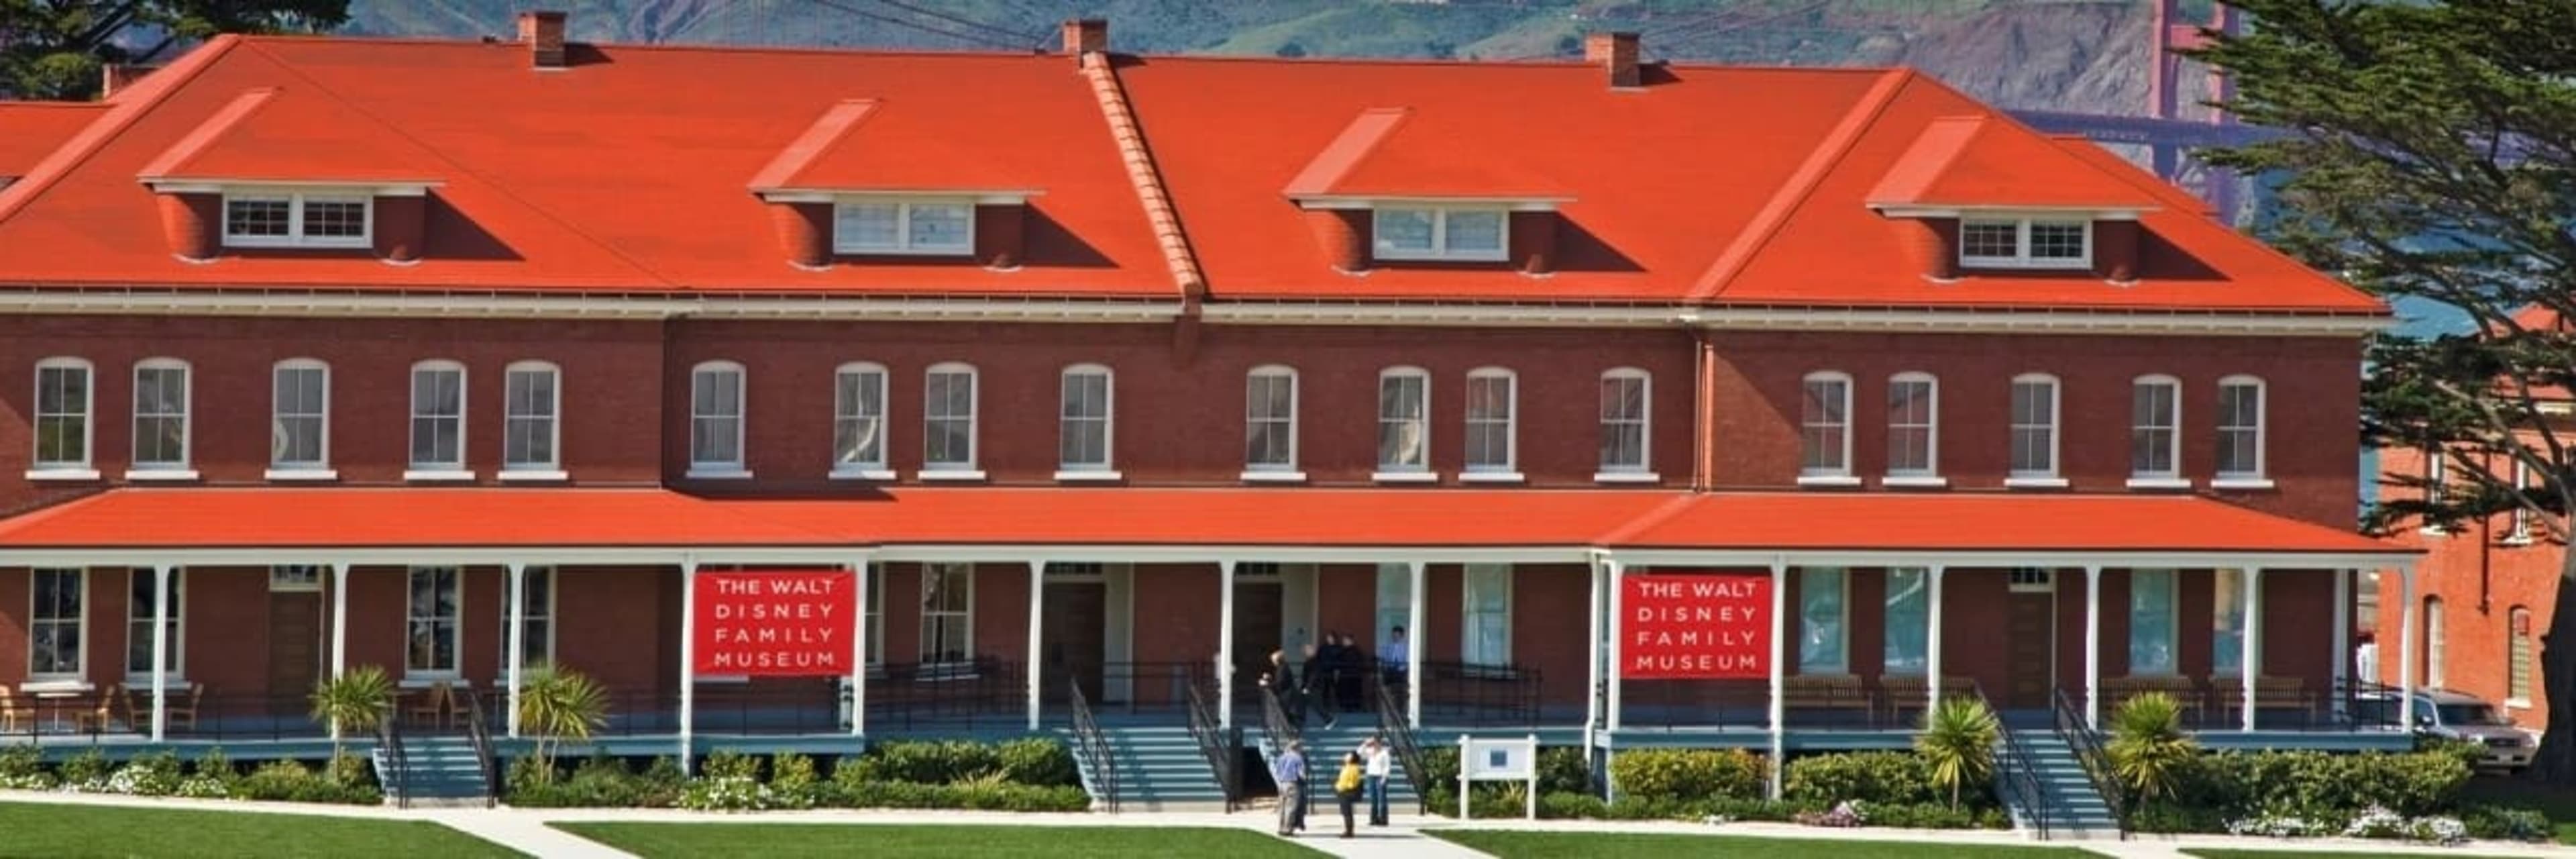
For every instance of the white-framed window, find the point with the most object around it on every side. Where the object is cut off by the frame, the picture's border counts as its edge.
(1403, 419)
(716, 405)
(948, 418)
(1466, 233)
(1909, 621)
(947, 614)
(532, 417)
(161, 415)
(2151, 622)
(1493, 406)
(2519, 521)
(1488, 607)
(62, 419)
(435, 610)
(2034, 426)
(139, 597)
(1824, 635)
(56, 624)
(295, 578)
(2155, 427)
(1270, 419)
(2436, 647)
(282, 219)
(1626, 417)
(438, 416)
(1824, 425)
(2025, 243)
(1083, 434)
(941, 227)
(1913, 425)
(2227, 623)
(2240, 428)
(536, 621)
(2522, 658)
(874, 613)
(299, 434)
(2031, 580)
(859, 417)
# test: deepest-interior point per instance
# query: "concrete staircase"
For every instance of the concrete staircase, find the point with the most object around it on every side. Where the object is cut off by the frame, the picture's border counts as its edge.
(1159, 768)
(2075, 811)
(443, 773)
(1326, 746)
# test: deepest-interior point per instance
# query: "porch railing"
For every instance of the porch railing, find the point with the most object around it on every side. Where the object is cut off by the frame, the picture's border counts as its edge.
(1392, 724)
(397, 769)
(2080, 737)
(2017, 775)
(1480, 695)
(1224, 758)
(1094, 747)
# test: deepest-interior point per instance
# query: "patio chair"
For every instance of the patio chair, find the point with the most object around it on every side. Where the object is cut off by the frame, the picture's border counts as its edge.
(102, 717)
(431, 708)
(181, 710)
(15, 715)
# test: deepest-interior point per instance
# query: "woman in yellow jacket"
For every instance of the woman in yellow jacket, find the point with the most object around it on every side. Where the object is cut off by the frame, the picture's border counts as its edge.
(1346, 787)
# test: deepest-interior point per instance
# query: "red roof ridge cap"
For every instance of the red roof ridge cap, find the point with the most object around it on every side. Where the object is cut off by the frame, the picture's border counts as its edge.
(836, 123)
(130, 107)
(1800, 185)
(1353, 145)
(1138, 158)
(169, 162)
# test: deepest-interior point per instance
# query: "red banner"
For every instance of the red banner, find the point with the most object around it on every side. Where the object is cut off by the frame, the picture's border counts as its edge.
(797, 623)
(1696, 627)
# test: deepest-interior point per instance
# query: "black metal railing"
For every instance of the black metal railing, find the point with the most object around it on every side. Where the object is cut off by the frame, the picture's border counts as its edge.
(1277, 730)
(2017, 775)
(1223, 760)
(1146, 687)
(397, 769)
(1479, 695)
(481, 735)
(1827, 703)
(2080, 737)
(1094, 747)
(1398, 730)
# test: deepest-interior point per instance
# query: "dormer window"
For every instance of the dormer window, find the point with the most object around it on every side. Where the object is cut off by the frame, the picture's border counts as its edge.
(297, 220)
(1441, 233)
(2025, 243)
(927, 227)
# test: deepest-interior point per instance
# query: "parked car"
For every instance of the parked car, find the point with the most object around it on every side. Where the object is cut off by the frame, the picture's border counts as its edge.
(2457, 716)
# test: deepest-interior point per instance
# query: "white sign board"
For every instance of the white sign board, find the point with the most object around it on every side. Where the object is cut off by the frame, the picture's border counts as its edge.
(1514, 759)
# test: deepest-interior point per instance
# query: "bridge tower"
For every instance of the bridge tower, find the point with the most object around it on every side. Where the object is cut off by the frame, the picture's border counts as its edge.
(2171, 35)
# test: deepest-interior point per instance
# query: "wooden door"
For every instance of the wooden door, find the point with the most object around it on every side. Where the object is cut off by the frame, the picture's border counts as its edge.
(1073, 640)
(2031, 633)
(1258, 609)
(294, 647)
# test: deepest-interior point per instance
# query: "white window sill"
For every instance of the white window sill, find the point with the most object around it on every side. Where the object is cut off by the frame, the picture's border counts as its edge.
(424, 680)
(2034, 483)
(1626, 477)
(2518, 703)
(2241, 483)
(1274, 477)
(160, 475)
(62, 474)
(949, 474)
(1405, 477)
(52, 687)
(1491, 477)
(1091, 476)
(531, 475)
(143, 682)
(299, 474)
(862, 474)
(2159, 483)
(1828, 480)
(1915, 481)
(717, 472)
(437, 475)
(2434, 531)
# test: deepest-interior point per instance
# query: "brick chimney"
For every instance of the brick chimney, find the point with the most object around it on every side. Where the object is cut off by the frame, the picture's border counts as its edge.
(1616, 53)
(543, 30)
(1086, 36)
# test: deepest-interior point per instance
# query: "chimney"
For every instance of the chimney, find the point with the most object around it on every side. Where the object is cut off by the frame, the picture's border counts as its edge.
(1086, 36)
(1615, 52)
(114, 77)
(544, 33)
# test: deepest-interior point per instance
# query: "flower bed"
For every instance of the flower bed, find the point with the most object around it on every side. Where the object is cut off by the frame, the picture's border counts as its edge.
(1722, 786)
(1034, 774)
(347, 780)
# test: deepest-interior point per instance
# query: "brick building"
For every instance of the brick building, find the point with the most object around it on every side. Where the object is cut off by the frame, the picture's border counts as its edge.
(1119, 372)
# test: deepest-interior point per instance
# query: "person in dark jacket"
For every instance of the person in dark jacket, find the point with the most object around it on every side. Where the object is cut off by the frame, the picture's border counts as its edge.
(1313, 685)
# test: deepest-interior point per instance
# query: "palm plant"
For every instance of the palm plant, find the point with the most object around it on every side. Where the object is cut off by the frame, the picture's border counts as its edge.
(2148, 748)
(357, 700)
(557, 705)
(1958, 740)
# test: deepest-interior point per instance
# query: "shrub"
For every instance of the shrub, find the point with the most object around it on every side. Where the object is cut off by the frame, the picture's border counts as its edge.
(86, 771)
(292, 781)
(2507, 824)
(1958, 744)
(599, 782)
(733, 765)
(1872, 777)
(1563, 769)
(23, 768)
(1039, 761)
(1571, 806)
(350, 770)
(1000, 796)
(929, 762)
(2315, 784)
(1687, 774)
(726, 793)
(154, 774)
(2149, 752)
(1844, 814)
(214, 765)
(793, 783)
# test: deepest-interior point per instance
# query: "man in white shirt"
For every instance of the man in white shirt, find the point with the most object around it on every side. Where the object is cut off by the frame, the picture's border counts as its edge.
(1378, 763)
(2365, 659)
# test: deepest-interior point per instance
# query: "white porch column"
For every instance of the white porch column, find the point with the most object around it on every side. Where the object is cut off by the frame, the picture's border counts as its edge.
(688, 661)
(518, 637)
(2406, 651)
(1037, 620)
(1225, 644)
(160, 651)
(2093, 647)
(1414, 615)
(1779, 672)
(1932, 637)
(1618, 665)
(2342, 674)
(859, 634)
(339, 619)
(2250, 651)
(1592, 656)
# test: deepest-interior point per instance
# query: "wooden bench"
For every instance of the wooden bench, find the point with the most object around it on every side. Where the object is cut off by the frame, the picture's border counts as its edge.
(1909, 693)
(2118, 690)
(1823, 692)
(2270, 693)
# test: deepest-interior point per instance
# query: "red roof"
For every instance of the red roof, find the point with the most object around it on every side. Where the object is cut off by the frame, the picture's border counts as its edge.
(1978, 161)
(1122, 516)
(31, 130)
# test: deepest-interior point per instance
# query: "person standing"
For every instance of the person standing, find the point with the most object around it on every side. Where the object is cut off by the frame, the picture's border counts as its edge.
(1311, 687)
(1379, 763)
(1290, 772)
(1394, 659)
(2365, 659)
(1346, 787)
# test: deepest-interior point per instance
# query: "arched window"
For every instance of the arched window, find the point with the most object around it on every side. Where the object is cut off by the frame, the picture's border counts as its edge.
(161, 399)
(1824, 425)
(1913, 425)
(948, 420)
(1627, 421)
(532, 419)
(1493, 409)
(1084, 424)
(1270, 421)
(859, 421)
(2240, 428)
(2521, 658)
(437, 420)
(299, 436)
(62, 418)
(1403, 421)
(2034, 429)
(2155, 428)
(717, 402)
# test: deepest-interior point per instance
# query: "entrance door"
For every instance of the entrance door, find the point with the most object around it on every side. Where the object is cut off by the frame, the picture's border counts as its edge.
(294, 647)
(2031, 630)
(1072, 641)
(1258, 608)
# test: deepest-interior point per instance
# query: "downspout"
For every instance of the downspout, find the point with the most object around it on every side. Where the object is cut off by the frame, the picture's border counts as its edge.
(1703, 411)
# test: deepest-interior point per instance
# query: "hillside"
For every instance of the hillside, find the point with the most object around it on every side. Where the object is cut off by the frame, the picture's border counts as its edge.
(2073, 55)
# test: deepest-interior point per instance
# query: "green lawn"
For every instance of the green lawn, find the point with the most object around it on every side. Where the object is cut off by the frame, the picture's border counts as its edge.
(66, 831)
(1582, 845)
(787, 840)
(2293, 854)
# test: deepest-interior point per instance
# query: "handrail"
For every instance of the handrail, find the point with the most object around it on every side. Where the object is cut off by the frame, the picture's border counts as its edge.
(2079, 735)
(1204, 730)
(1277, 729)
(482, 744)
(2020, 776)
(1392, 724)
(389, 737)
(1094, 746)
